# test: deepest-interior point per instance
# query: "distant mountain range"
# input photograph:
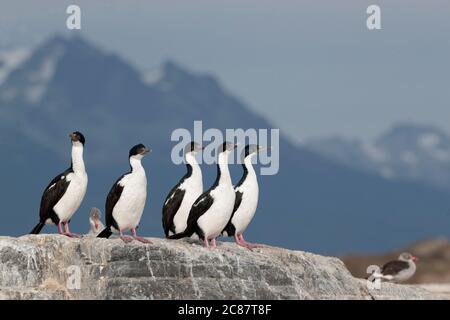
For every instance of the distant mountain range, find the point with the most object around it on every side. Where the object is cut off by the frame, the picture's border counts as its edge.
(408, 152)
(314, 203)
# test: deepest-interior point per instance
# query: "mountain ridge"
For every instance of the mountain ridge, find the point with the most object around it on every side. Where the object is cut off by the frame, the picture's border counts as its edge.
(406, 151)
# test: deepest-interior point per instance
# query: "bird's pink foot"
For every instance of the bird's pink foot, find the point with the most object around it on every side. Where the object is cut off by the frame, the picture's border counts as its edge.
(67, 231)
(241, 241)
(126, 238)
(206, 242)
(252, 245)
(71, 235)
(142, 239)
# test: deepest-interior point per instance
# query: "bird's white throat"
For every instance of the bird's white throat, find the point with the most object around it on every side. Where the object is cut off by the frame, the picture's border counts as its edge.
(136, 164)
(192, 161)
(225, 177)
(249, 165)
(77, 158)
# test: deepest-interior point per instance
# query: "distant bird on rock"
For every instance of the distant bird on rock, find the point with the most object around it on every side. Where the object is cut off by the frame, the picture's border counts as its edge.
(398, 270)
(95, 222)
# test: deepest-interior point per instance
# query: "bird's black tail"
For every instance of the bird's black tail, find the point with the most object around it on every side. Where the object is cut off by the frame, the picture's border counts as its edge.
(186, 233)
(106, 233)
(229, 230)
(38, 228)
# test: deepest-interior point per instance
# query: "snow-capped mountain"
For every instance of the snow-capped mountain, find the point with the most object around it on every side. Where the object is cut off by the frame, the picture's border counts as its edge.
(10, 60)
(405, 152)
(313, 203)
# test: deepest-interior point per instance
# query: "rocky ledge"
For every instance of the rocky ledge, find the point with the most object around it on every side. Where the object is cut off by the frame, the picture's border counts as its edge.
(57, 267)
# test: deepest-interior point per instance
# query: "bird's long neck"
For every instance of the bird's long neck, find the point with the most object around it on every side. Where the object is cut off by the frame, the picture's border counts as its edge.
(77, 158)
(248, 167)
(136, 166)
(249, 171)
(223, 173)
(193, 169)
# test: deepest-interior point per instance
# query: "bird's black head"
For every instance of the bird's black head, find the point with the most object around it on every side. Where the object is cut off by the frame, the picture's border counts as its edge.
(139, 151)
(227, 146)
(193, 147)
(77, 137)
(252, 149)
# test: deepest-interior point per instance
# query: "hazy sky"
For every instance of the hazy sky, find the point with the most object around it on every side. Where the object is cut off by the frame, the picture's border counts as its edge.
(312, 67)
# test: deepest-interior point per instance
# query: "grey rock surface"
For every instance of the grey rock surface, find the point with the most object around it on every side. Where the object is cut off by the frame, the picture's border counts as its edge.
(57, 267)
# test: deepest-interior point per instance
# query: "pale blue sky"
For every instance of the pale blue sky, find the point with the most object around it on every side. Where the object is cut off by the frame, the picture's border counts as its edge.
(311, 67)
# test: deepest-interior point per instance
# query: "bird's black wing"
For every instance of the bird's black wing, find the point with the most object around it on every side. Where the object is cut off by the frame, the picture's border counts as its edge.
(394, 267)
(237, 201)
(200, 206)
(111, 200)
(229, 228)
(52, 194)
(171, 206)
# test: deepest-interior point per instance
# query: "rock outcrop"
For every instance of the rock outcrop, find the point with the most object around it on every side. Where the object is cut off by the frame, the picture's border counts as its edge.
(57, 267)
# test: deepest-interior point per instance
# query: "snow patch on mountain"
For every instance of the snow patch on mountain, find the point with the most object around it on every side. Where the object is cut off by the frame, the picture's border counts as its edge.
(10, 60)
(375, 153)
(153, 76)
(428, 141)
(38, 79)
(405, 152)
(433, 144)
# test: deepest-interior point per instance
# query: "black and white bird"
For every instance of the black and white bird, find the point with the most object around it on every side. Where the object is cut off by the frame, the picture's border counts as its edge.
(126, 200)
(95, 222)
(398, 270)
(64, 194)
(247, 194)
(212, 210)
(181, 198)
